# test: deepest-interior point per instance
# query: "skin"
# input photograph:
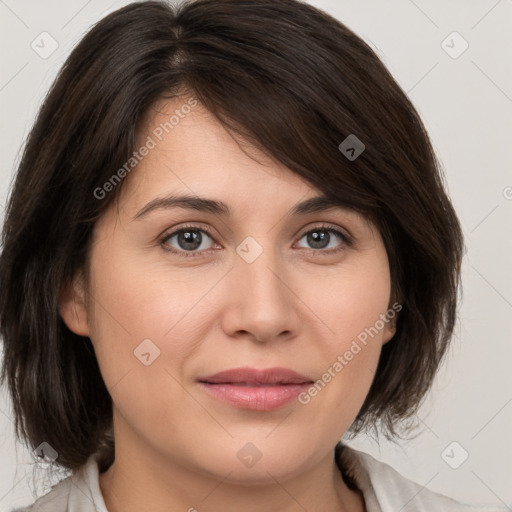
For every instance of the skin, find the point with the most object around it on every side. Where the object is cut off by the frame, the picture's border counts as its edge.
(295, 306)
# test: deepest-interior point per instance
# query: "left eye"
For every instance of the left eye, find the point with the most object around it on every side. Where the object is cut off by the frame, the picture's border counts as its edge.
(320, 238)
(188, 240)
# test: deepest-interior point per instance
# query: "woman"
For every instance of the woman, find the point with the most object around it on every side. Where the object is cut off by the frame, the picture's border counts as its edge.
(228, 244)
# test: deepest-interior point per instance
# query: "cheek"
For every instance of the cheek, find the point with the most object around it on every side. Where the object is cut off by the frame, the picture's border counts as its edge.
(351, 303)
(132, 303)
(135, 320)
(351, 300)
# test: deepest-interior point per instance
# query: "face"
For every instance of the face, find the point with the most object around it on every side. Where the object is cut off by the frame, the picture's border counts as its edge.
(178, 294)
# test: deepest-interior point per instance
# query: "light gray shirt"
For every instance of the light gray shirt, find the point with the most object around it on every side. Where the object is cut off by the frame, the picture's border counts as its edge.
(383, 489)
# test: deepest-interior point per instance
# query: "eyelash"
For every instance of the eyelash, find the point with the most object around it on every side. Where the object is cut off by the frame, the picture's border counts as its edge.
(347, 240)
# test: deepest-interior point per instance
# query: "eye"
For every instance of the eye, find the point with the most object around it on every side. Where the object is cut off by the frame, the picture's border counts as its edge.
(323, 239)
(193, 241)
(188, 239)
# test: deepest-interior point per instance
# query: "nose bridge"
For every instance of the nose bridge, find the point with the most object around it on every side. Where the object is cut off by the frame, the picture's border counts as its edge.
(258, 269)
(262, 304)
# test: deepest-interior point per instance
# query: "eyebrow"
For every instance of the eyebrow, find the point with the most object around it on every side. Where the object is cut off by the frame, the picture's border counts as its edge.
(202, 204)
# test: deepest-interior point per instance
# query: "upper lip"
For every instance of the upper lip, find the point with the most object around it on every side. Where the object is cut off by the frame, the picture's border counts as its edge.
(270, 376)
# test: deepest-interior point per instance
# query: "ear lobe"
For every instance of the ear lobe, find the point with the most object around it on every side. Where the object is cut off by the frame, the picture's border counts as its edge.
(72, 306)
(395, 306)
(389, 331)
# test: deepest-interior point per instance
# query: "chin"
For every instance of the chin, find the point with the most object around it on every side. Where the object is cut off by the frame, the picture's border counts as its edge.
(260, 461)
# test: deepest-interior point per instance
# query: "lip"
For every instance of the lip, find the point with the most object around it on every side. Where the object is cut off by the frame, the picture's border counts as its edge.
(256, 389)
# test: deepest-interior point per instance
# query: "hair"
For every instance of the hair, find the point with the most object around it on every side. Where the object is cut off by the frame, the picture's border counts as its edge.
(292, 81)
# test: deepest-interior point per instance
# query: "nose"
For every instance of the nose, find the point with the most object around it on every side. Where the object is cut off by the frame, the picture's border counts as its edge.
(261, 304)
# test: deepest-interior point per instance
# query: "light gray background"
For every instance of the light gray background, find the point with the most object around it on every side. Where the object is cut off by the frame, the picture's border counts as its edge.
(466, 104)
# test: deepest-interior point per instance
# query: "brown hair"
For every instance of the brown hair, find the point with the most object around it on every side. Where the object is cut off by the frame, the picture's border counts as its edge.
(288, 78)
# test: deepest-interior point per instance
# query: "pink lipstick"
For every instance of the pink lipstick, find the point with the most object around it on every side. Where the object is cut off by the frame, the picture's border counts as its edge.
(256, 389)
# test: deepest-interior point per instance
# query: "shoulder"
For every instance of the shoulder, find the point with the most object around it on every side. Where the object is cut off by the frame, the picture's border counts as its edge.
(384, 489)
(56, 500)
(79, 492)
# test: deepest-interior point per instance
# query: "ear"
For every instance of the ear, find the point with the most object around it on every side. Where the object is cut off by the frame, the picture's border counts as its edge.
(389, 330)
(72, 306)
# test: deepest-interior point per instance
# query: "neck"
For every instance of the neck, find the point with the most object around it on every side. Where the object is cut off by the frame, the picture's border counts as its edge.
(156, 483)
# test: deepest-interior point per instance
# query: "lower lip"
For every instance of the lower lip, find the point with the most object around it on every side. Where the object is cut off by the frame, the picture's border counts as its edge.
(258, 398)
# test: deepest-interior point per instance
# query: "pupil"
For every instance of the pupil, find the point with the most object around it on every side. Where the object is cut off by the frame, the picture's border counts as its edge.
(317, 239)
(189, 240)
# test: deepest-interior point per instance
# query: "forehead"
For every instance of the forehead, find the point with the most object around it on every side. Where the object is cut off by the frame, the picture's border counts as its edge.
(192, 152)
(195, 163)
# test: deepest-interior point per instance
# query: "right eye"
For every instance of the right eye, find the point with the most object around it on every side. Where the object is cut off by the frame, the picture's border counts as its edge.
(187, 239)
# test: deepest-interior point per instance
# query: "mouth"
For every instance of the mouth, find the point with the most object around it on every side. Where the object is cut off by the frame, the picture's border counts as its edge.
(255, 389)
